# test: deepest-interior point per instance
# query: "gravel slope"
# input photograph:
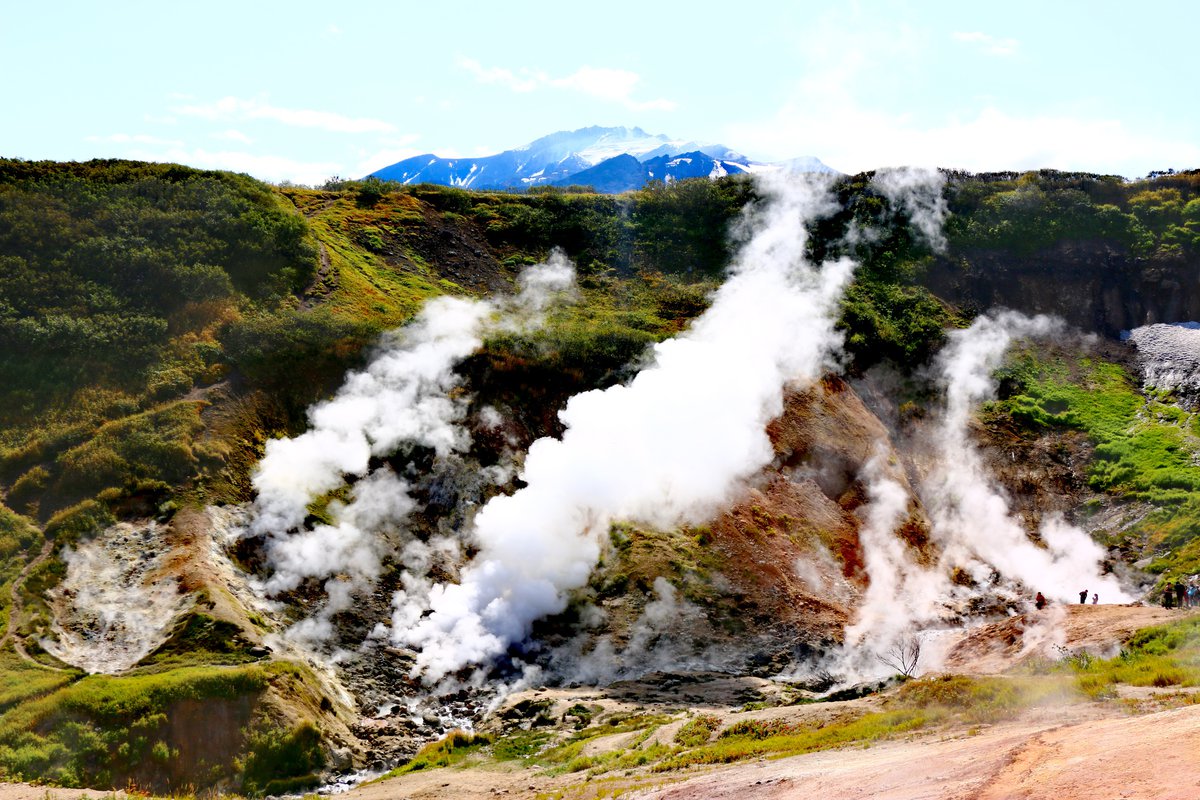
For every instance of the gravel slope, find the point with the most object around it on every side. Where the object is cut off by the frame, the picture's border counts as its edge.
(1169, 357)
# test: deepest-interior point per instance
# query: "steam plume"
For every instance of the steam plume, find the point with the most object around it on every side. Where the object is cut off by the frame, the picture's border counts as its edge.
(404, 397)
(919, 192)
(669, 447)
(902, 594)
(971, 517)
(660, 640)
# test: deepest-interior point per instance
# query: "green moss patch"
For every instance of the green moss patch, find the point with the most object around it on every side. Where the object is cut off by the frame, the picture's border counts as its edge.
(1146, 447)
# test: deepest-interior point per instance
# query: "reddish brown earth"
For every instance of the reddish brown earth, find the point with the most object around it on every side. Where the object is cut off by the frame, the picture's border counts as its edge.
(1055, 754)
(1099, 629)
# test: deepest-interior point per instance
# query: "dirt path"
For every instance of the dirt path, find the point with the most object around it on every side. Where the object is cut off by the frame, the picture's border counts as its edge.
(1073, 751)
(1053, 754)
(25, 791)
(1152, 756)
(17, 607)
(323, 281)
(1149, 757)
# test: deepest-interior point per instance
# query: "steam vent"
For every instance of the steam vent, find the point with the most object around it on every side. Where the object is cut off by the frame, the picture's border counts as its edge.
(763, 481)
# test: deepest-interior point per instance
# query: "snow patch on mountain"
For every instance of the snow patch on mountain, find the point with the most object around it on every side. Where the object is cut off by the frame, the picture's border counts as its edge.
(588, 156)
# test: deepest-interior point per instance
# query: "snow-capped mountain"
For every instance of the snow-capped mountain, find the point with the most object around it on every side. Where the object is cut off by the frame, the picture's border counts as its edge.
(610, 159)
(624, 172)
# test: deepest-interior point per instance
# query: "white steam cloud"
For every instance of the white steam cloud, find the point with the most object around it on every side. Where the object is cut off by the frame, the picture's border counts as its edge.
(404, 397)
(902, 595)
(669, 636)
(670, 447)
(970, 518)
(918, 191)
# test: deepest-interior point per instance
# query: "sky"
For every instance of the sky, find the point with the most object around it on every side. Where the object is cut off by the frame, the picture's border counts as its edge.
(302, 91)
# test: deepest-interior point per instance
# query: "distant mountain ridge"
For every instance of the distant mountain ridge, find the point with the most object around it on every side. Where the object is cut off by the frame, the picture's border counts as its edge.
(611, 159)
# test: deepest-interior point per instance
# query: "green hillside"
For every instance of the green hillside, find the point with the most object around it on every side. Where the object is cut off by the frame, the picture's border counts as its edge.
(158, 324)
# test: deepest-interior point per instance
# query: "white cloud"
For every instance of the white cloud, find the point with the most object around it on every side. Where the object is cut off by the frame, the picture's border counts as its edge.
(854, 139)
(524, 80)
(237, 108)
(838, 112)
(232, 135)
(613, 85)
(268, 168)
(392, 150)
(616, 85)
(136, 138)
(987, 44)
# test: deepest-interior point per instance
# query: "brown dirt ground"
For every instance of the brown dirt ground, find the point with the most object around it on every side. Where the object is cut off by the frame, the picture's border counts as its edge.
(1054, 754)
(26, 791)
(1099, 629)
(1081, 751)
(1151, 756)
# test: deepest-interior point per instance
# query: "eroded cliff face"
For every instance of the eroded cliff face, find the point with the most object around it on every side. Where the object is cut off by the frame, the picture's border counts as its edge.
(1095, 286)
(772, 581)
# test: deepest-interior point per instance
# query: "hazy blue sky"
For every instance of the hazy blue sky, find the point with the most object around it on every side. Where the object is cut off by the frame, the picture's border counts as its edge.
(305, 90)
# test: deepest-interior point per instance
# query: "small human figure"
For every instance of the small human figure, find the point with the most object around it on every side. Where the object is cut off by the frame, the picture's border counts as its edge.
(1191, 596)
(1040, 601)
(1083, 597)
(1095, 598)
(1179, 593)
(1167, 596)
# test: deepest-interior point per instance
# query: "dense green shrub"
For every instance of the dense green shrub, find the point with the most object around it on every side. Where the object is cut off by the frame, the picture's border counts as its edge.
(697, 730)
(298, 355)
(17, 533)
(103, 730)
(82, 520)
(97, 259)
(280, 761)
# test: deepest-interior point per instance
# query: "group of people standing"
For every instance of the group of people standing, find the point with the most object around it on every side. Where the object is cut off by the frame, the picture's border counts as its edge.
(1181, 595)
(1175, 595)
(1041, 602)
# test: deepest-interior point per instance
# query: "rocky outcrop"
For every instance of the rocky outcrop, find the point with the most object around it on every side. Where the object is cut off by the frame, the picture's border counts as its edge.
(1094, 286)
(1168, 357)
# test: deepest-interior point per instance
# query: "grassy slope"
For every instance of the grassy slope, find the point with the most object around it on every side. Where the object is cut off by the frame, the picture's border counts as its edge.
(149, 729)
(1146, 448)
(151, 262)
(361, 286)
(123, 441)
